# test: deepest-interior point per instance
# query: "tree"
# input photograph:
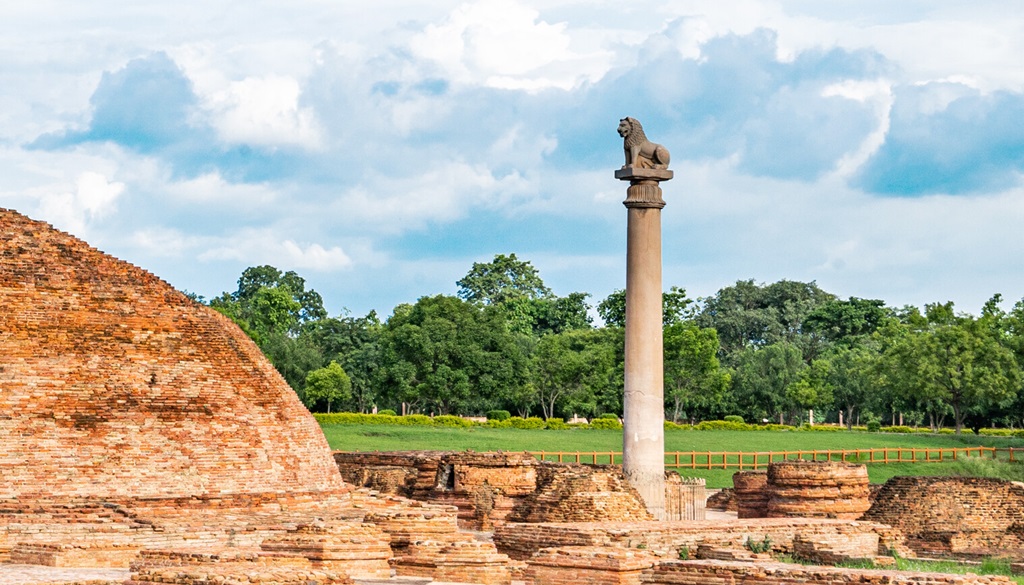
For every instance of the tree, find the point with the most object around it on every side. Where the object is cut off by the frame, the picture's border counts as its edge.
(845, 322)
(548, 315)
(354, 342)
(750, 315)
(676, 307)
(956, 363)
(762, 376)
(854, 377)
(446, 354)
(572, 369)
(501, 280)
(811, 389)
(329, 383)
(694, 382)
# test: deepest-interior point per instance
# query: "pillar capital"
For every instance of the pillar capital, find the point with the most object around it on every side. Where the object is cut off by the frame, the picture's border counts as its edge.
(644, 189)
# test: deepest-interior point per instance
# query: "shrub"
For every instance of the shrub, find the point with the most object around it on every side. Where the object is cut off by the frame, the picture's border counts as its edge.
(874, 426)
(609, 415)
(671, 426)
(447, 420)
(498, 415)
(821, 428)
(721, 425)
(605, 423)
(947, 431)
(733, 418)
(898, 429)
(356, 418)
(534, 422)
(758, 547)
(997, 432)
(774, 427)
(387, 412)
(498, 424)
(416, 420)
(556, 424)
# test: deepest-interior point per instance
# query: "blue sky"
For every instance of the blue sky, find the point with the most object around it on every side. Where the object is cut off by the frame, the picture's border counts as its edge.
(379, 150)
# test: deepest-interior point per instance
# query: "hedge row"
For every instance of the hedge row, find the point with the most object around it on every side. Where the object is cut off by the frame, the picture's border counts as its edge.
(533, 422)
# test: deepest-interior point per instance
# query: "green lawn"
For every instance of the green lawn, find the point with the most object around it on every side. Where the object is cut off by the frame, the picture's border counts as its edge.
(401, 438)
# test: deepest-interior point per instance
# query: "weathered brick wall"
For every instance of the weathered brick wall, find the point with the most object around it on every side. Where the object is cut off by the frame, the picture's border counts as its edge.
(761, 573)
(521, 540)
(580, 493)
(115, 384)
(963, 516)
(817, 489)
(750, 491)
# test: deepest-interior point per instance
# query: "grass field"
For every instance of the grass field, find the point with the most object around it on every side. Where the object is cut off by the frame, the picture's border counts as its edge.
(402, 438)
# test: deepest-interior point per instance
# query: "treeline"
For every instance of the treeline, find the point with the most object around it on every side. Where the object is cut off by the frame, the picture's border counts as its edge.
(779, 353)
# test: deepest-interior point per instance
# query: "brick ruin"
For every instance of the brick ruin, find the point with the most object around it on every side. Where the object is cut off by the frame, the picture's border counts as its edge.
(139, 428)
(143, 432)
(491, 488)
(954, 516)
(803, 489)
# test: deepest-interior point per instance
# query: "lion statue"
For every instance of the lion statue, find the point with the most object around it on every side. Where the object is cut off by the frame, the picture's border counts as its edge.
(641, 153)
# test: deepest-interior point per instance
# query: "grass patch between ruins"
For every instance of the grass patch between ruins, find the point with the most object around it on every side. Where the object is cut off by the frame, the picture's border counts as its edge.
(405, 438)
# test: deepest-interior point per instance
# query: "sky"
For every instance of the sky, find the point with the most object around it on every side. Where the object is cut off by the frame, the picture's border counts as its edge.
(379, 149)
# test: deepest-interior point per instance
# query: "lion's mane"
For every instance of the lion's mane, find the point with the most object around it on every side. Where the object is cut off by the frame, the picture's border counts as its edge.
(636, 133)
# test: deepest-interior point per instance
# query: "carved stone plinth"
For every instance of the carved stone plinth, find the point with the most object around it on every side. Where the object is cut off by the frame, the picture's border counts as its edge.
(643, 444)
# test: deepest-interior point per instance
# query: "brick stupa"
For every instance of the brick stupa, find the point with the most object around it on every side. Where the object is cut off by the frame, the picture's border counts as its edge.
(115, 384)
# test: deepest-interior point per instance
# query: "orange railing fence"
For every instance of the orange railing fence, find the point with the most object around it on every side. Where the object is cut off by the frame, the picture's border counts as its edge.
(761, 459)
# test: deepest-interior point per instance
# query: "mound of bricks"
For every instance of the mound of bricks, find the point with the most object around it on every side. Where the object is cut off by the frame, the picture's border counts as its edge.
(138, 427)
(483, 486)
(665, 539)
(582, 564)
(954, 516)
(837, 550)
(817, 489)
(750, 489)
(359, 550)
(461, 560)
(235, 573)
(766, 573)
(412, 474)
(724, 500)
(115, 384)
(580, 493)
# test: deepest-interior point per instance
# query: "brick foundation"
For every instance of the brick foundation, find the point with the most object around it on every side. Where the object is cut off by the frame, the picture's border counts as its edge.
(954, 516)
(591, 565)
(750, 491)
(520, 541)
(817, 489)
(740, 573)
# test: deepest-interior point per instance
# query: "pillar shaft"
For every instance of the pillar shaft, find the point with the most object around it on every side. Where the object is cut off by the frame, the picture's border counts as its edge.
(643, 441)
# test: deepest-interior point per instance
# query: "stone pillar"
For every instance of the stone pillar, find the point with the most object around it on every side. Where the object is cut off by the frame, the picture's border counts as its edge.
(643, 442)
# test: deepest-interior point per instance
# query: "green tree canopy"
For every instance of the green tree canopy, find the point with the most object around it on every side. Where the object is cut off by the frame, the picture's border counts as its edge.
(676, 307)
(330, 384)
(501, 280)
(695, 384)
(446, 354)
(751, 315)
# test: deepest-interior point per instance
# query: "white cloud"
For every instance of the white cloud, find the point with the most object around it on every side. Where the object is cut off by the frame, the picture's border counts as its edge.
(504, 44)
(93, 197)
(877, 93)
(449, 192)
(212, 189)
(254, 247)
(264, 111)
